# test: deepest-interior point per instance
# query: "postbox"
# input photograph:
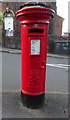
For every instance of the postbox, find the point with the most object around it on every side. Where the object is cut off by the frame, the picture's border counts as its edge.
(34, 22)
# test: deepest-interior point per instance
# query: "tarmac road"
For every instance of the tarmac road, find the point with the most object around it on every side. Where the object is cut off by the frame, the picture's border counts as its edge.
(57, 73)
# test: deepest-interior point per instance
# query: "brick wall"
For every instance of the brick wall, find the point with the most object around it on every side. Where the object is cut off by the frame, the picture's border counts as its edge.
(13, 41)
(59, 25)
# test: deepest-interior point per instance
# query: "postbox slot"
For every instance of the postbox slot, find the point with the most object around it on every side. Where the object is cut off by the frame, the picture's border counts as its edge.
(35, 31)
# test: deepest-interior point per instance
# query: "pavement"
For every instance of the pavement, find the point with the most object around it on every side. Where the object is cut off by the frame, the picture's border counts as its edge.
(16, 51)
(55, 104)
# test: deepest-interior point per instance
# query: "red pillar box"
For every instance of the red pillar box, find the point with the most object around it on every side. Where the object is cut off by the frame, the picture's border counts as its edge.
(34, 22)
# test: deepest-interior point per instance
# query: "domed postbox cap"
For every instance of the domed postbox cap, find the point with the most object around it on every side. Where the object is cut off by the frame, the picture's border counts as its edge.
(34, 12)
(33, 4)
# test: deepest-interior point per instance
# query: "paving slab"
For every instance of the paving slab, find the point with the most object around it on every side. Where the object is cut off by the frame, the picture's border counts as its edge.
(55, 106)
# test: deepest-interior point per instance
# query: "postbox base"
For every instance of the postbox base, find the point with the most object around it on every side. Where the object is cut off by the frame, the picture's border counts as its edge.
(32, 101)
